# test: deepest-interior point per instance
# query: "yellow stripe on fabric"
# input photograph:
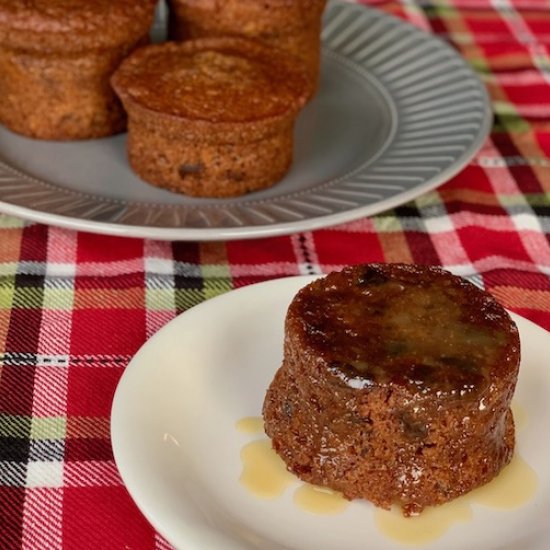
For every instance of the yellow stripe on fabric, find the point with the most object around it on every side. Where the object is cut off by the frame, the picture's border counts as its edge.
(395, 247)
(475, 55)
(514, 297)
(10, 249)
(523, 137)
(215, 269)
(457, 26)
(10, 244)
(470, 196)
(392, 239)
(527, 144)
(87, 426)
(109, 298)
(499, 61)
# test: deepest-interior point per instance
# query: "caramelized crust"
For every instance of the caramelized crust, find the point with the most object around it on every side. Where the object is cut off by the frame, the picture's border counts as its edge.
(408, 326)
(216, 80)
(395, 385)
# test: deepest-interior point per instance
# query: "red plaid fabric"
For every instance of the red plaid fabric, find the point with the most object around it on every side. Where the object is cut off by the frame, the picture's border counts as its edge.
(75, 307)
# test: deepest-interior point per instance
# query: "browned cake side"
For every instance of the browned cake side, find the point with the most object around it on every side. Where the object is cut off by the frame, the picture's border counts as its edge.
(212, 117)
(291, 25)
(56, 58)
(395, 386)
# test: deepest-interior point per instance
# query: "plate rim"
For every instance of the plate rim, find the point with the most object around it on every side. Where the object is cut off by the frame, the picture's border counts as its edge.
(280, 228)
(297, 281)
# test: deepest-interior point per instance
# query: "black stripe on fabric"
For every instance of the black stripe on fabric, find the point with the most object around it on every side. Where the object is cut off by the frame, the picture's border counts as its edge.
(542, 211)
(14, 449)
(186, 253)
(302, 241)
(523, 175)
(50, 450)
(409, 210)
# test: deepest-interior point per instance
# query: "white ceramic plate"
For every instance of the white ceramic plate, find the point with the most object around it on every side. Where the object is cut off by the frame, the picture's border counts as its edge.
(177, 449)
(398, 112)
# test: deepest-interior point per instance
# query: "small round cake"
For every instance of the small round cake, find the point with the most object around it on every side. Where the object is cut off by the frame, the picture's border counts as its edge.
(56, 58)
(291, 25)
(212, 117)
(395, 385)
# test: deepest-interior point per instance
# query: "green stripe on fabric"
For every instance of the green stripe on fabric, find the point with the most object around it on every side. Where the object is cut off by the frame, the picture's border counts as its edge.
(427, 200)
(505, 108)
(53, 427)
(28, 297)
(187, 298)
(6, 294)
(462, 38)
(15, 425)
(8, 268)
(480, 65)
(215, 287)
(509, 126)
(58, 298)
(538, 199)
(9, 222)
(518, 199)
(216, 280)
(435, 12)
(387, 223)
(215, 271)
(157, 299)
(508, 118)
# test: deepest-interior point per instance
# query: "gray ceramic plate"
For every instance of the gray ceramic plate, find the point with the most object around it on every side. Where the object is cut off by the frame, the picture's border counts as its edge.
(397, 114)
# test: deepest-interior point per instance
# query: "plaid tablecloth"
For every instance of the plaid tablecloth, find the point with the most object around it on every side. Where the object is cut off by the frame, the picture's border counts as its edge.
(75, 307)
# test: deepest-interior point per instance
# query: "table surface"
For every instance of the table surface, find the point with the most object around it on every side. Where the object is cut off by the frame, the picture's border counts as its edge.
(75, 307)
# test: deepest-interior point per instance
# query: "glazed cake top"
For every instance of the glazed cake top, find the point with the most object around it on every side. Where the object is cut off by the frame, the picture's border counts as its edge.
(48, 21)
(226, 80)
(405, 325)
